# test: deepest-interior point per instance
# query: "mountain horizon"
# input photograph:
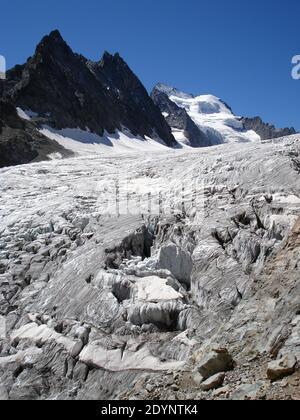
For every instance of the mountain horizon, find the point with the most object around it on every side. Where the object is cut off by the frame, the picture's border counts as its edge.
(149, 205)
(58, 92)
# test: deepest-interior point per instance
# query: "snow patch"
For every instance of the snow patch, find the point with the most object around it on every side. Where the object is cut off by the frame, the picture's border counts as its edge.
(85, 143)
(154, 289)
(117, 360)
(26, 115)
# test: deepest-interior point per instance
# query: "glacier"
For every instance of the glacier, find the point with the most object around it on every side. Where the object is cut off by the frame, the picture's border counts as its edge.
(93, 304)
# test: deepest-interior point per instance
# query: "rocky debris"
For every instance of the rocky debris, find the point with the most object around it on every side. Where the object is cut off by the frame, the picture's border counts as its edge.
(213, 382)
(247, 392)
(105, 95)
(214, 362)
(223, 391)
(281, 368)
(246, 382)
(264, 130)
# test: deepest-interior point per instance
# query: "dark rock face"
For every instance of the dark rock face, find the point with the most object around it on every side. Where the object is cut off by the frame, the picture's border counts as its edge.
(179, 119)
(20, 142)
(264, 130)
(68, 91)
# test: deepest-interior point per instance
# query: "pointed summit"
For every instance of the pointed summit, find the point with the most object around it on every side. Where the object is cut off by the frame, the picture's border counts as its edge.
(52, 43)
(108, 58)
(55, 35)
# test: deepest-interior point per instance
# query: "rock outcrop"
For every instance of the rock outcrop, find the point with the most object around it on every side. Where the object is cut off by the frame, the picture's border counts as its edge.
(264, 130)
(21, 143)
(281, 368)
(213, 382)
(214, 362)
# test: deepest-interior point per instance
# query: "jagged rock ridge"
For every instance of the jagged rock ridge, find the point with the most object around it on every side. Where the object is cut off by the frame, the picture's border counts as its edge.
(68, 91)
(266, 131)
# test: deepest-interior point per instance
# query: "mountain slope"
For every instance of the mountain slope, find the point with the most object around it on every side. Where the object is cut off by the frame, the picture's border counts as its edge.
(213, 118)
(21, 143)
(184, 128)
(65, 90)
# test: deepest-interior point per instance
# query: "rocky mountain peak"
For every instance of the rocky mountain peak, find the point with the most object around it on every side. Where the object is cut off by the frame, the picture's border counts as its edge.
(111, 58)
(54, 36)
(52, 43)
(69, 91)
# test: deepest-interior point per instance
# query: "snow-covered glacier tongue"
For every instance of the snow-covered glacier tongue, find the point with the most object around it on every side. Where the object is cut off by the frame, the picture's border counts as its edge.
(98, 301)
(214, 119)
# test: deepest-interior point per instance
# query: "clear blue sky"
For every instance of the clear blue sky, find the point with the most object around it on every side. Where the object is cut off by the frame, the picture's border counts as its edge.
(239, 50)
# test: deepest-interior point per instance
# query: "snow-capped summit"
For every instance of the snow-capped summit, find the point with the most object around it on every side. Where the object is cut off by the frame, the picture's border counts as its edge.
(213, 117)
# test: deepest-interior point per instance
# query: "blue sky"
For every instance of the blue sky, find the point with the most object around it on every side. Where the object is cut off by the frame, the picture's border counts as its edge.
(240, 50)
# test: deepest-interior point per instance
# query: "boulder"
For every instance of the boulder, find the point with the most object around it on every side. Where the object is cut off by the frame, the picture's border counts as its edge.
(281, 368)
(215, 362)
(213, 382)
(225, 390)
(247, 392)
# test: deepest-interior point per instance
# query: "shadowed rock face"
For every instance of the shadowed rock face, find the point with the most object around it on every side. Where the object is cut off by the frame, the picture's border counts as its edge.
(68, 91)
(20, 142)
(264, 130)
